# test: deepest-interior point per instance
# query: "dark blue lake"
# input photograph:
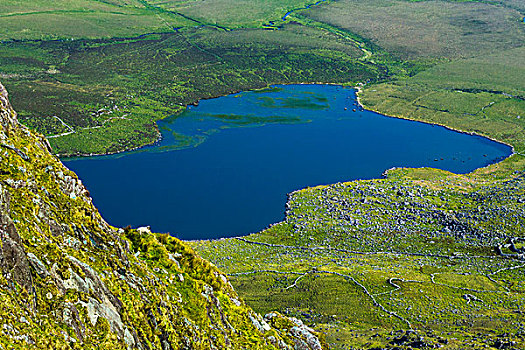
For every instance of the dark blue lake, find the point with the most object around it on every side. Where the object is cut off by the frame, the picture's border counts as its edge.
(224, 168)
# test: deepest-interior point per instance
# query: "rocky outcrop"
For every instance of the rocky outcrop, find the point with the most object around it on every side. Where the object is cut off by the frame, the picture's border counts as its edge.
(69, 280)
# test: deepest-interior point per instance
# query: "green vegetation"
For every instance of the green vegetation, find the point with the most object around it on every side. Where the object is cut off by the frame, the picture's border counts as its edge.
(70, 281)
(233, 14)
(435, 253)
(426, 29)
(102, 96)
(484, 95)
(45, 19)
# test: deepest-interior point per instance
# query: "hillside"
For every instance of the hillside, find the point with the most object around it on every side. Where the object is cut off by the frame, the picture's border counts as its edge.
(70, 281)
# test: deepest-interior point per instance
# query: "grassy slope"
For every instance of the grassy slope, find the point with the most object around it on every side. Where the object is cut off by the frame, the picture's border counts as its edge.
(234, 14)
(70, 281)
(44, 19)
(485, 95)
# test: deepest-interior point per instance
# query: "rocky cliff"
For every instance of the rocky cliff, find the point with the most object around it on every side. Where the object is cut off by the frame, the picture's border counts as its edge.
(69, 280)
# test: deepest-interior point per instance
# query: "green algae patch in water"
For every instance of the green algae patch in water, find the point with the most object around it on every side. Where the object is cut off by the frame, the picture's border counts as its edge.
(224, 168)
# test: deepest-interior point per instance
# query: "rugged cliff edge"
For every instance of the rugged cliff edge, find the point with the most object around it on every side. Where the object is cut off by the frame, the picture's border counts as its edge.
(69, 280)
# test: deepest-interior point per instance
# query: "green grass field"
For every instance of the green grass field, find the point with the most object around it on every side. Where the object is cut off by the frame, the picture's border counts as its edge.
(44, 19)
(427, 29)
(485, 95)
(233, 14)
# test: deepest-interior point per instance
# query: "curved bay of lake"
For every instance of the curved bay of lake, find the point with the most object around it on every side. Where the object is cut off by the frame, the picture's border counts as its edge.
(224, 168)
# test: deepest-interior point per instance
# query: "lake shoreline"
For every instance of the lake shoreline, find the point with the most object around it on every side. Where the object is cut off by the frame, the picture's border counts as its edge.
(471, 133)
(358, 88)
(196, 103)
(302, 166)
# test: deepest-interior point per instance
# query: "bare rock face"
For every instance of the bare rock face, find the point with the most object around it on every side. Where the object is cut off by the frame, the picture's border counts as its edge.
(13, 260)
(14, 263)
(69, 280)
(8, 119)
(305, 336)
